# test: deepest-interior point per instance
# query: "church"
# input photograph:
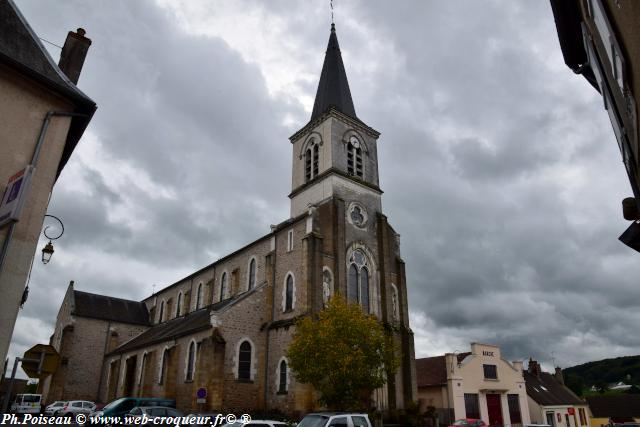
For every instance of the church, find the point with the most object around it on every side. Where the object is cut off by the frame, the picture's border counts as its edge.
(226, 327)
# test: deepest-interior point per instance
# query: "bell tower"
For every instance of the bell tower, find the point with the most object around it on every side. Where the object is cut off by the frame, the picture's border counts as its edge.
(335, 154)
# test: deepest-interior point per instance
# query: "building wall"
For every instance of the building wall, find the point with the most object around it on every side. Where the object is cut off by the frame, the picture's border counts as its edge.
(623, 16)
(603, 422)
(23, 107)
(468, 377)
(560, 414)
(82, 347)
(237, 268)
(82, 343)
(240, 321)
(435, 396)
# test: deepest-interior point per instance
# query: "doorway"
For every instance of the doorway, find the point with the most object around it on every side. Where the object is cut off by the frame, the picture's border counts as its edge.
(129, 378)
(551, 420)
(494, 408)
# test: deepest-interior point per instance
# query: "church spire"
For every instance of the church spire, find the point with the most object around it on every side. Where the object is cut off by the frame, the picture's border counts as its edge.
(333, 88)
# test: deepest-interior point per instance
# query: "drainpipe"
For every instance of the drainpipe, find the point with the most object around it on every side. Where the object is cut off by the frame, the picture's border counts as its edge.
(34, 161)
(273, 316)
(104, 355)
(448, 401)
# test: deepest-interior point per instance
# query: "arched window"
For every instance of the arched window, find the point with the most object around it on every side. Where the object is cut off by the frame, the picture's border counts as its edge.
(143, 369)
(223, 286)
(164, 366)
(358, 281)
(307, 165)
(352, 292)
(288, 293)
(282, 378)
(161, 314)
(354, 158)
(315, 159)
(244, 361)
(191, 361)
(311, 161)
(199, 296)
(395, 303)
(364, 289)
(179, 305)
(252, 274)
(327, 286)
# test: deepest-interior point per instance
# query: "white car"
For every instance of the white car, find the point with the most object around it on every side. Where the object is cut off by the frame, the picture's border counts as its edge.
(73, 407)
(335, 419)
(252, 423)
(256, 423)
(54, 407)
(27, 404)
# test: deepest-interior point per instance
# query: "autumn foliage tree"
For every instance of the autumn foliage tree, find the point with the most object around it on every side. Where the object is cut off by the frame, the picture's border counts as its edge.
(344, 353)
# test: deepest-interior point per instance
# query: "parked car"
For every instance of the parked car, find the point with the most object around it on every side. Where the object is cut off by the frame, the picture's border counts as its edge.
(212, 417)
(256, 423)
(74, 407)
(335, 419)
(151, 412)
(468, 422)
(27, 404)
(54, 407)
(122, 406)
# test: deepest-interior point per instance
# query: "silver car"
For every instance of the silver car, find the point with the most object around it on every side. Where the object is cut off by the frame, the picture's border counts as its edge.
(54, 407)
(74, 407)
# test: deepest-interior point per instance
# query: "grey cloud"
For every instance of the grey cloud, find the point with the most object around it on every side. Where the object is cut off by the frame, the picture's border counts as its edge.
(499, 167)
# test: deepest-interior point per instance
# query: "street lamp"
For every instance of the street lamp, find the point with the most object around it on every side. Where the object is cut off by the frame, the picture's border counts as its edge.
(47, 251)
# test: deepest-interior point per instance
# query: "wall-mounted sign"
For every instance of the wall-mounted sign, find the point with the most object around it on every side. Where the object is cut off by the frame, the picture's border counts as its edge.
(15, 195)
(487, 353)
(201, 395)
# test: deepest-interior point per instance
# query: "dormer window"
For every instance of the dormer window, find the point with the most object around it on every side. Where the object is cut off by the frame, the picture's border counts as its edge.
(311, 161)
(354, 158)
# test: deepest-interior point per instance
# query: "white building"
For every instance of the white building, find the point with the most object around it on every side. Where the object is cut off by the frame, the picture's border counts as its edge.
(479, 384)
(551, 402)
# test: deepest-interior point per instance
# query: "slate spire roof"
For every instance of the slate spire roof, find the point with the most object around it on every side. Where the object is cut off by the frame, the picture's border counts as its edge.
(333, 88)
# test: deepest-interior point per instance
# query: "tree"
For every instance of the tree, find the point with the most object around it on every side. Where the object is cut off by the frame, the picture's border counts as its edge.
(343, 353)
(575, 383)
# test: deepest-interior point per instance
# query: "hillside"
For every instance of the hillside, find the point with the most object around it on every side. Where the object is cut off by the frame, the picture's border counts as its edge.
(603, 372)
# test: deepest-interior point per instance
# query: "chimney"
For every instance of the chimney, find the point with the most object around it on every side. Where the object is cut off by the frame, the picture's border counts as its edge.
(73, 54)
(534, 368)
(559, 376)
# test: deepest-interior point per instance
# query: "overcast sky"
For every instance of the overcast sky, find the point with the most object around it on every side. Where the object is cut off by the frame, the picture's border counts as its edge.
(499, 166)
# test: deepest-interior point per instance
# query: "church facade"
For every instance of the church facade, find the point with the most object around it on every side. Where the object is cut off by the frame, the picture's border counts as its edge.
(226, 328)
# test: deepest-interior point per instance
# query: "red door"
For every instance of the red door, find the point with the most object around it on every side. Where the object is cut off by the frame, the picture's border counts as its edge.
(494, 408)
